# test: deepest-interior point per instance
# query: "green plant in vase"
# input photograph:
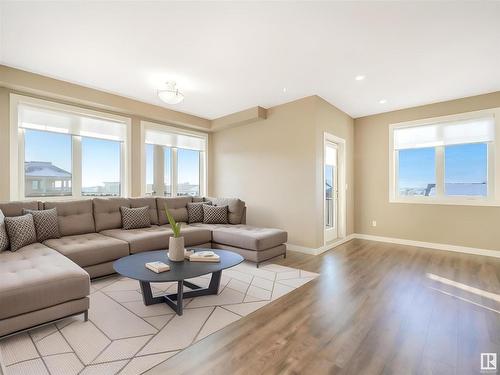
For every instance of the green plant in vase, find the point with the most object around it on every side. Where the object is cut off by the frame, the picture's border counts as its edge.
(175, 243)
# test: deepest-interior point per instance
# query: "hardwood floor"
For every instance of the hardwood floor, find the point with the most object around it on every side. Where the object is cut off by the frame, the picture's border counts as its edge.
(377, 308)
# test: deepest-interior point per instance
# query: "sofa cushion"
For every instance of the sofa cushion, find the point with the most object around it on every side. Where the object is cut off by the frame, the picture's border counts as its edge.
(235, 208)
(252, 255)
(36, 277)
(195, 236)
(157, 237)
(144, 239)
(195, 211)
(135, 218)
(74, 217)
(215, 214)
(246, 236)
(46, 223)
(16, 208)
(107, 212)
(4, 238)
(177, 207)
(21, 231)
(192, 235)
(146, 201)
(89, 249)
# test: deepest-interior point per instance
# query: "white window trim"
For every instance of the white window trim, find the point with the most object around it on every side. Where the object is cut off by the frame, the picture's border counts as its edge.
(17, 148)
(493, 198)
(173, 172)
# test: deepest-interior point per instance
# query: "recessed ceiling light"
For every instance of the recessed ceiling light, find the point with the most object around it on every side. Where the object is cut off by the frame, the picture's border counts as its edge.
(359, 77)
(382, 101)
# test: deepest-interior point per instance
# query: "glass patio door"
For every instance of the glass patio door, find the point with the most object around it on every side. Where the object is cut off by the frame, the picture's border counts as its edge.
(331, 190)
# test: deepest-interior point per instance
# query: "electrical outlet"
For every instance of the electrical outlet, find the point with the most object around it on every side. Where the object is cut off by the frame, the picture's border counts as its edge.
(374, 223)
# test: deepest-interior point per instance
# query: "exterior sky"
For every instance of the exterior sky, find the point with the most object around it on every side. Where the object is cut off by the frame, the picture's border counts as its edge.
(100, 158)
(463, 164)
(101, 161)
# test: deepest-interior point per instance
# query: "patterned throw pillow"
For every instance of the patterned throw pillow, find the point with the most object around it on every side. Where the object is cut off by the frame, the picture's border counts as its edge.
(195, 211)
(21, 231)
(214, 214)
(4, 239)
(135, 218)
(46, 224)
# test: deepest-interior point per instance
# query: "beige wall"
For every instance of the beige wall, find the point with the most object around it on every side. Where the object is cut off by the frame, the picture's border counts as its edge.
(46, 87)
(275, 165)
(456, 225)
(332, 120)
(34, 85)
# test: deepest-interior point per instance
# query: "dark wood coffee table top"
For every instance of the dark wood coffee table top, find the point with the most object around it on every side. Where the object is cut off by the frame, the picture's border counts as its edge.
(133, 265)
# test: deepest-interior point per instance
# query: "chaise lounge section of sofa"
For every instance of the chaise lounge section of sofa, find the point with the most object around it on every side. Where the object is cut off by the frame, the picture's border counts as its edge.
(44, 282)
(38, 284)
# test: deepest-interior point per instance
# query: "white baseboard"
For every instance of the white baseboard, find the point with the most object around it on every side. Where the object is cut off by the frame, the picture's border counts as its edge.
(300, 249)
(319, 250)
(431, 245)
(399, 241)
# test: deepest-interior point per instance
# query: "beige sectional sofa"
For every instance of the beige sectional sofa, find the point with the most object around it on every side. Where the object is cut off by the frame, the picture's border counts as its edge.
(47, 281)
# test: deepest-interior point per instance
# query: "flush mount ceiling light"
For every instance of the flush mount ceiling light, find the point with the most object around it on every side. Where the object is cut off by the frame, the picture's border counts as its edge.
(359, 77)
(171, 95)
(382, 101)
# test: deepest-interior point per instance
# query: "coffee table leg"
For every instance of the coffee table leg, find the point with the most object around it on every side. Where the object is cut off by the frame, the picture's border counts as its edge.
(214, 285)
(180, 298)
(191, 285)
(175, 301)
(147, 294)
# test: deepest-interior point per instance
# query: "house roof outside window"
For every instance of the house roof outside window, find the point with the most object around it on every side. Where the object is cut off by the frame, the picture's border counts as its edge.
(44, 169)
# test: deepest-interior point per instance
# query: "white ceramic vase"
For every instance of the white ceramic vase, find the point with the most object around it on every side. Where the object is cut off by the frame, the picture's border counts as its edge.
(176, 249)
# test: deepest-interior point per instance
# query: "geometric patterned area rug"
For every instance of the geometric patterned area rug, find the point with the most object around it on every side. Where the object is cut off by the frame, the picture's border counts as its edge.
(123, 336)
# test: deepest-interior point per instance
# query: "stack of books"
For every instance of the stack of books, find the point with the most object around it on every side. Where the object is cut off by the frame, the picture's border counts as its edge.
(157, 267)
(202, 256)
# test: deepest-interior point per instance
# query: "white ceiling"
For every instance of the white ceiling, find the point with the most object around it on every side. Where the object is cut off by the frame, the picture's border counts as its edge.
(231, 56)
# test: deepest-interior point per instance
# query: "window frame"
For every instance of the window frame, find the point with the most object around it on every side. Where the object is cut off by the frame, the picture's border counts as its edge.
(159, 166)
(17, 148)
(493, 159)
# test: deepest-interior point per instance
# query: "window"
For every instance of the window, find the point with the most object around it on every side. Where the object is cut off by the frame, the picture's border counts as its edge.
(47, 169)
(101, 167)
(188, 175)
(447, 161)
(466, 170)
(67, 151)
(417, 172)
(175, 161)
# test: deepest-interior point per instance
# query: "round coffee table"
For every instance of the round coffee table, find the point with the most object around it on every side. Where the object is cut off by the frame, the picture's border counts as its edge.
(132, 266)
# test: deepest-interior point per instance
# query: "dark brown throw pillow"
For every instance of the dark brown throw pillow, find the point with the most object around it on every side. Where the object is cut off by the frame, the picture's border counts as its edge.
(135, 218)
(215, 214)
(4, 238)
(21, 231)
(195, 212)
(46, 224)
